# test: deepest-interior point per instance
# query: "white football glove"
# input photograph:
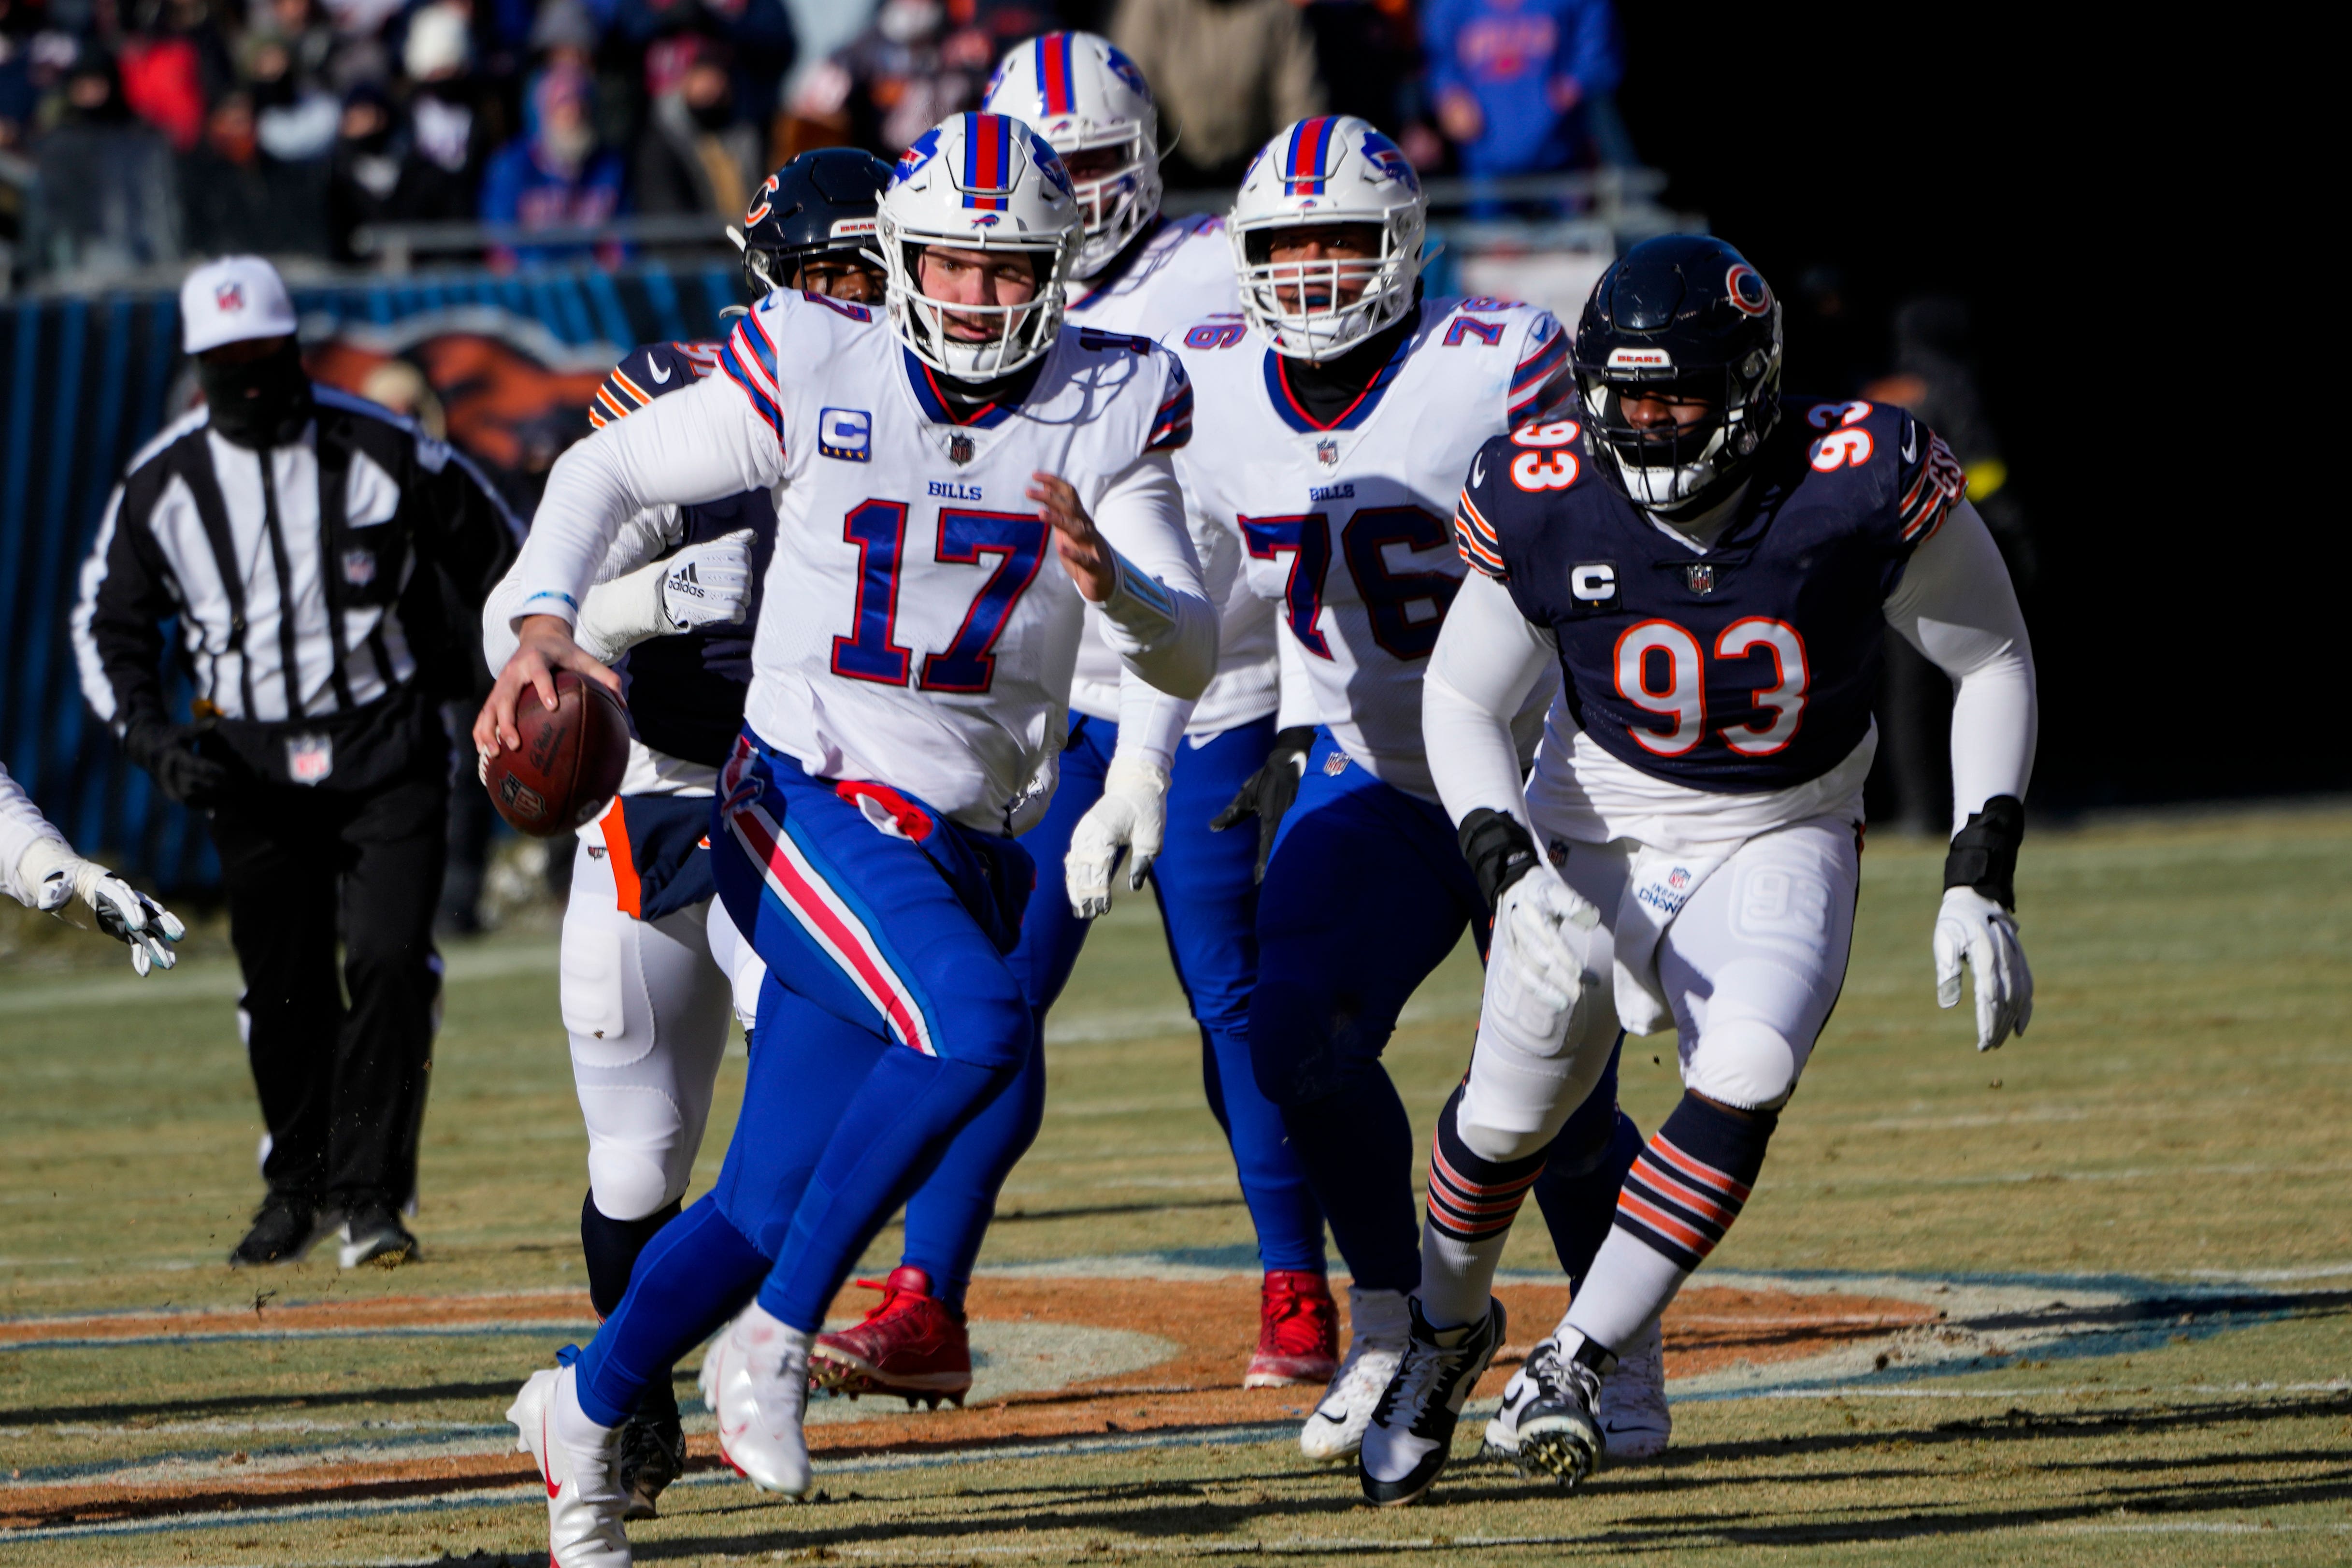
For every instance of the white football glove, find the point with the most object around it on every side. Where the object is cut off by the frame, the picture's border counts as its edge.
(1974, 928)
(1132, 815)
(58, 877)
(709, 584)
(1537, 981)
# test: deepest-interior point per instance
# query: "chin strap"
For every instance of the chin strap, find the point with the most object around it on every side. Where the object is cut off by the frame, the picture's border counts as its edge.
(1984, 853)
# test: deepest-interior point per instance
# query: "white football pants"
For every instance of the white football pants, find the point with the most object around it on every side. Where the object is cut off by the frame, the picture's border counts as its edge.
(1752, 966)
(646, 1004)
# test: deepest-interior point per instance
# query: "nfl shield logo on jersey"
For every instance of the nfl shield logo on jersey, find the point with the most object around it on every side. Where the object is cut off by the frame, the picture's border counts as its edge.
(1700, 578)
(959, 448)
(1326, 452)
(310, 758)
(359, 567)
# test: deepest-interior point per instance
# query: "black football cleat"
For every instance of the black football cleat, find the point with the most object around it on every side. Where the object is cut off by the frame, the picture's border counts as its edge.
(284, 1228)
(1549, 1424)
(653, 1455)
(373, 1233)
(1411, 1431)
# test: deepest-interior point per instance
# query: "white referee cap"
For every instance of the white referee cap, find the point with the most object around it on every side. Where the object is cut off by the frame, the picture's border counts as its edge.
(231, 301)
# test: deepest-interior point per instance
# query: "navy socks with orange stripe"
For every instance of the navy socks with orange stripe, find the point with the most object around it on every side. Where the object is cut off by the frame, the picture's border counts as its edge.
(1677, 1202)
(1472, 1202)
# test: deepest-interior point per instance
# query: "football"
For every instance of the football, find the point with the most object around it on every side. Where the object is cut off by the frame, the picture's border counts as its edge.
(570, 763)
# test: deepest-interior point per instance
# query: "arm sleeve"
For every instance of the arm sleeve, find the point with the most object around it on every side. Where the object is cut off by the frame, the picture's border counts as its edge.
(1955, 605)
(21, 826)
(1150, 721)
(118, 634)
(697, 445)
(1488, 660)
(643, 539)
(1157, 619)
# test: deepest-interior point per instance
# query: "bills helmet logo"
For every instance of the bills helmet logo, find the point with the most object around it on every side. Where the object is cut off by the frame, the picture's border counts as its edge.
(1389, 163)
(1049, 164)
(910, 162)
(229, 297)
(1747, 290)
(1125, 70)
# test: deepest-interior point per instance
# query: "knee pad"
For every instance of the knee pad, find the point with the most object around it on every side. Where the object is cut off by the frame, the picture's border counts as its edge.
(629, 1184)
(1514, 1103)
(1743, 1062)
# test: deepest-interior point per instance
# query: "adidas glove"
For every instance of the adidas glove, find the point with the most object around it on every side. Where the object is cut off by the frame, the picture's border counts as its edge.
(58, 877)
(1975, 925)
(709, 584)
(1131, 816)
(1269, 791)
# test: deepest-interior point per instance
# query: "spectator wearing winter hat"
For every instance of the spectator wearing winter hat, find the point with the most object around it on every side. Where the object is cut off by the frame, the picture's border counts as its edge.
(555, 174)
(758, 35)
(698, 154)
(450, 119)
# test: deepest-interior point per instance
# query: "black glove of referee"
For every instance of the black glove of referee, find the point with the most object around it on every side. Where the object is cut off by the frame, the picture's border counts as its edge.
(1270, 791)
(168, 752)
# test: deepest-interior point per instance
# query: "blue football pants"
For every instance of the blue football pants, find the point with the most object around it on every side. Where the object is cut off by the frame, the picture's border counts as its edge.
(1207, 888)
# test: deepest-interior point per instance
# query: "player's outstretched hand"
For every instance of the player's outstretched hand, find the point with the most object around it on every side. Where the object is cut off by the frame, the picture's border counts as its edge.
(545, 647)
(1975, 929)
(58, 877)
(1267, 793)
(1538, 979)
(1131, 816)
(709, 584)
(1085, 554)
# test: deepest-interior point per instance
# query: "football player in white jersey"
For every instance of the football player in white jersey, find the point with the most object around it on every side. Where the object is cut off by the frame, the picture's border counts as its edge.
(1137, 272)
(1715, 569)
(1336, 418)
(39, 869)
(651, 963)
(910, 680)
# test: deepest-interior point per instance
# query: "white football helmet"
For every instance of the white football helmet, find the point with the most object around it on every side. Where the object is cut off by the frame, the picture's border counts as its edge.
(1332, 169)
(978, 182)
(1081, 94)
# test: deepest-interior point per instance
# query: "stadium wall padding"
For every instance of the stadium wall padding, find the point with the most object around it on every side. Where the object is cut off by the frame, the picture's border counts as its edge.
(85, 381)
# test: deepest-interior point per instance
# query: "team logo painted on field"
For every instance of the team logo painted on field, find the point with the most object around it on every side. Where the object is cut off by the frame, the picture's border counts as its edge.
(846, 434)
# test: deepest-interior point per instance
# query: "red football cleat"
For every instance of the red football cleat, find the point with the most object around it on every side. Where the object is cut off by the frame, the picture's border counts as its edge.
(910, 1345)
(1297, 1331)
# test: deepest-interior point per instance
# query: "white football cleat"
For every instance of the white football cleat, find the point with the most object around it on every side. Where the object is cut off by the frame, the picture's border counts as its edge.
(1634, 1419)
(755, 1379)
(1547, 1425)
(1378, 1327)
(583, 1501)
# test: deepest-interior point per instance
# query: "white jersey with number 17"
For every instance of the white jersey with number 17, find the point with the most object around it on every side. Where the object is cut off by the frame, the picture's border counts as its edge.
(1345, 528)
(914, 627)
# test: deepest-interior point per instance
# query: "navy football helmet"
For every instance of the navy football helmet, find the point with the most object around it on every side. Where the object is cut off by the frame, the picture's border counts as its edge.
(820, 206)
(1685, 318)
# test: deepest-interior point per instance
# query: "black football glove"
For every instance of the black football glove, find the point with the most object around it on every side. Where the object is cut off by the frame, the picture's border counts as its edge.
(168, 752)
(1269, 792)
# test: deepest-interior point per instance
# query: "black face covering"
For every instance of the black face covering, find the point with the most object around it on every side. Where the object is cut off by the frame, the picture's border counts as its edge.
(261, 403)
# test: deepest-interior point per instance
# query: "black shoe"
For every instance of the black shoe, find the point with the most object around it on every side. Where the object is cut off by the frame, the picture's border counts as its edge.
(1412, 1430)
(653, 1455)
(284, 1228)
(373, 1233)
(1550, 1423)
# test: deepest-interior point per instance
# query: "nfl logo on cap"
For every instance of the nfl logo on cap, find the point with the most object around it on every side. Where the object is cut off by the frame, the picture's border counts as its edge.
(233, 300)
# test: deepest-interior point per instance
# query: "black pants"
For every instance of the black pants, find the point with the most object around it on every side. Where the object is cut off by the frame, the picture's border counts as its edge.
(342, 1087)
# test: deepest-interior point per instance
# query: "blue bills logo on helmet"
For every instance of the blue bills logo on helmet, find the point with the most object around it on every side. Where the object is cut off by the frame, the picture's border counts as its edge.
(1050, 167)
(1127, 71)
(910, 162)
(1306, 157)
(988, 175)
(1387, 160)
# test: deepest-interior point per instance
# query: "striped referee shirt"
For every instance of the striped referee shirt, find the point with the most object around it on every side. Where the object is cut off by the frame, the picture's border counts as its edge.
(308, 580)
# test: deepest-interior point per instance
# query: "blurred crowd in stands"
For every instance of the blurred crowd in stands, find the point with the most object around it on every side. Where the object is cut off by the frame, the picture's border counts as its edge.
(137, 133)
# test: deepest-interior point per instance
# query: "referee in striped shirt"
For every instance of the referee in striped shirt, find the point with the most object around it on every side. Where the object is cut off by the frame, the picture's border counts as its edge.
(325, 561)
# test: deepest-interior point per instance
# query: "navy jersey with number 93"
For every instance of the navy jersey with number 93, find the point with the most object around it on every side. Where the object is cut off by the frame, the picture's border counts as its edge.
(1750, 667)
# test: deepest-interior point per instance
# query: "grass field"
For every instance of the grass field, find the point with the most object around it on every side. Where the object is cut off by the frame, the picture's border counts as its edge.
(2084, 1300)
